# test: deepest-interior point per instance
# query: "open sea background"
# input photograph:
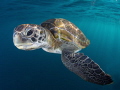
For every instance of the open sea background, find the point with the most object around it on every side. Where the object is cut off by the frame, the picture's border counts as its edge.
(39, 70)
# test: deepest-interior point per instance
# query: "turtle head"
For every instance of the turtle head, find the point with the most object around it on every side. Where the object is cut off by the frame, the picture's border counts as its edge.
(29, 37)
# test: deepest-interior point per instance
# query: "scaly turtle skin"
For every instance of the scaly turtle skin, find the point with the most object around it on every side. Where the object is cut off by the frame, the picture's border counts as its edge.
(62, 37)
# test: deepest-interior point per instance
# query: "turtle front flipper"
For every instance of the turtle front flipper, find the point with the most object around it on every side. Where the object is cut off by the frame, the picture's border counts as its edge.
(86, 68)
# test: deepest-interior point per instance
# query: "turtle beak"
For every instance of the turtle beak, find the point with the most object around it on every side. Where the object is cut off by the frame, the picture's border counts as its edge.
(21, 42)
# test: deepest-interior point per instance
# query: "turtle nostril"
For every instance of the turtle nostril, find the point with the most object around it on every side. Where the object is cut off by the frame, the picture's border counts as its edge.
(24, 39)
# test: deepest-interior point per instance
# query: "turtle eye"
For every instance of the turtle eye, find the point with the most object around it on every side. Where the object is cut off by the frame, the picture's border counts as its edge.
(29, 32)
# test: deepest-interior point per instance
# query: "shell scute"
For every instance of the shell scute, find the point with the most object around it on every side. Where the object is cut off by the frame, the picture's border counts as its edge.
(63, 29)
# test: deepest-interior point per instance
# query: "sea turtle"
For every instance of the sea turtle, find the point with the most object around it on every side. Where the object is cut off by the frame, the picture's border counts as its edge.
(63, 37)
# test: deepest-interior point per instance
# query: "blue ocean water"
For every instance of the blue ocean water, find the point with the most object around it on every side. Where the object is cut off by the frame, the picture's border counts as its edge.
(39, 70)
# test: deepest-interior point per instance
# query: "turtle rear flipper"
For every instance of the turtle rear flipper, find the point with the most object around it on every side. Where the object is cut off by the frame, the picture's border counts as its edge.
(86, 68)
